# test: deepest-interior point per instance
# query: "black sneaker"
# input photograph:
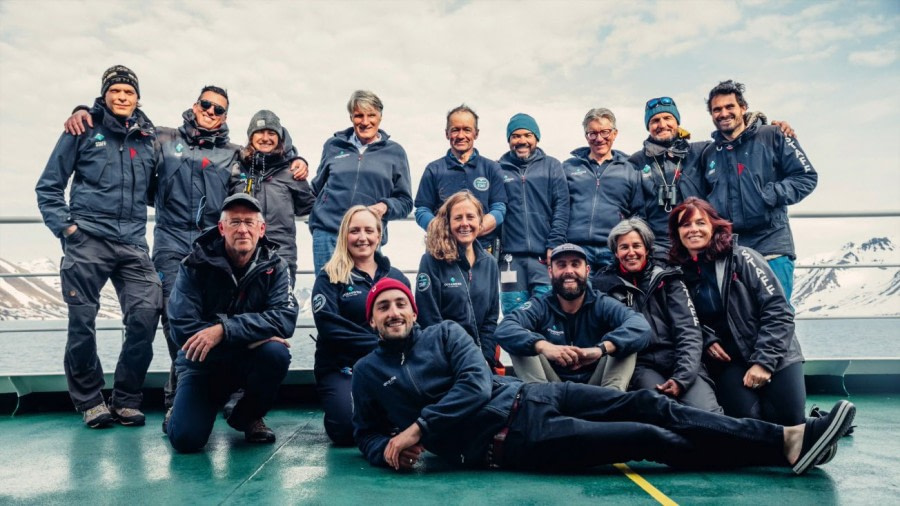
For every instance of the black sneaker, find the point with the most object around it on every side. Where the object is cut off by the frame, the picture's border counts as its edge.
(130, 417)
(258, 432)
(98, 416)
(817, 412)
(821, 436)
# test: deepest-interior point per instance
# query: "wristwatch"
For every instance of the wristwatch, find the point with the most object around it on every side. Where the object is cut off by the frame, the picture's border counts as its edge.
(602, 351)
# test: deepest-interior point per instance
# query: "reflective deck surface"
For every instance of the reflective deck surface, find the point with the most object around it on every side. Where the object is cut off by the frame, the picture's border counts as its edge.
(50, 458)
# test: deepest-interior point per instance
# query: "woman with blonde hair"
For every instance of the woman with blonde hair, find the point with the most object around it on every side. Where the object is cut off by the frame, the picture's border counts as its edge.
(458, 280)
(339, 309)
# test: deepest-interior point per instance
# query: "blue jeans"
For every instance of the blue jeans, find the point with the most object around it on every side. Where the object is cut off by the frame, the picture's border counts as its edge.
(783, 267)
(204, 388)
(323, 247)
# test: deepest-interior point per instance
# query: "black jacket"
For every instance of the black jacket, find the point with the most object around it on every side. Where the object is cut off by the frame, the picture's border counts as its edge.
(676, 342)
(259, 306)
(759, 317)
(339, 310)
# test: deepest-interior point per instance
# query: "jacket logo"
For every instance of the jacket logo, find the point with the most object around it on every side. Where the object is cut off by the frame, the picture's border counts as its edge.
(552, 331)
(342, 155)
(318, 302)
(453, 283)
(99, 137)
(390, 381)
(481, 183)
(760, 274)
(205, 163)
(646, 169)
(132, 152)
(508, 179)
(712, 165)
(741, 168)
(423, 282)
(351, 292)
(526, 305)
(179, 148)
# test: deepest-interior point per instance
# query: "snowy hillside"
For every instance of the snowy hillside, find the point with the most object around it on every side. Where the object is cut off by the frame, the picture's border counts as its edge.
(817, 292)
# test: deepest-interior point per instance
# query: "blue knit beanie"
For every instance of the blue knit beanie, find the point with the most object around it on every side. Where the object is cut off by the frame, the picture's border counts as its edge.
(662, 104)
(525, 121)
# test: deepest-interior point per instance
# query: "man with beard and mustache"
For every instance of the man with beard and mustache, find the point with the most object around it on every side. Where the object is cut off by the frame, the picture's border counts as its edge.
(750, 174)
(573, 333)
(668, 166)
(537, 214)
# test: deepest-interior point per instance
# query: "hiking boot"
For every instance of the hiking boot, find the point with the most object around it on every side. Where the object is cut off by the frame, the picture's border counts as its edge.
(258, 432)
(128, 416)
(821, 434)
(98, 416)
(817, 412)
(165, 424)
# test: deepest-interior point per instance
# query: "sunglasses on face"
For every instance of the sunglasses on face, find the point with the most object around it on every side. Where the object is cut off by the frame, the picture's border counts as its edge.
(217, 109)
(653, 102)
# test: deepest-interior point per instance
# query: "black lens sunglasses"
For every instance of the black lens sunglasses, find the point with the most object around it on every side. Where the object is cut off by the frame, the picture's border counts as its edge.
(217, 109)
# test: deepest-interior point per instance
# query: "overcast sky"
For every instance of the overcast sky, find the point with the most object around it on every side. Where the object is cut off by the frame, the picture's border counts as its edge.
(830, 68)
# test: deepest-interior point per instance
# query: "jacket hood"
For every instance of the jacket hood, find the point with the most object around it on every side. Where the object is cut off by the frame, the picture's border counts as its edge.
(678, 148)
(748, 132)
(209, 249)
(201, 137)
(138, 119)
(347, 134)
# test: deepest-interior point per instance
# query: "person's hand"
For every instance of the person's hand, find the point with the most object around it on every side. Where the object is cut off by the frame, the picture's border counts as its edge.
(566, 356)
(75, 124)
(547, 257)
(488, 224)
(71, 229)
(670, 388)
(379, 209)
(587, 356)
(299, 169)
(257, 344)
(785, 128)
(199, 345)
(757, 376)
(405, 441)
(410, 456)
(716, 351)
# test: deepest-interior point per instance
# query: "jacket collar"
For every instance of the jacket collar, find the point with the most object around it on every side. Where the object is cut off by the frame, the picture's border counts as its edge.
(200, 137)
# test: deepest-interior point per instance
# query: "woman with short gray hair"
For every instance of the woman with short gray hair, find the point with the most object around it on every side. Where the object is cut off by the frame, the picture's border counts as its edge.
(360, 165)
(671, 363)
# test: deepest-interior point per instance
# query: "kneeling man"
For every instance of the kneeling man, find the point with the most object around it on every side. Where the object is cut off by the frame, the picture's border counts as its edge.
(431, 389)
(231, 312)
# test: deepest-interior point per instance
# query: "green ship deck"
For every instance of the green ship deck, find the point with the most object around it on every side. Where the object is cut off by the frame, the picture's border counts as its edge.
(50, 458)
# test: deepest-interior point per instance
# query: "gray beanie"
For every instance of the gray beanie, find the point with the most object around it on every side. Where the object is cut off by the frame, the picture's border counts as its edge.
(119, 74)
(525, 121)
(265, 120)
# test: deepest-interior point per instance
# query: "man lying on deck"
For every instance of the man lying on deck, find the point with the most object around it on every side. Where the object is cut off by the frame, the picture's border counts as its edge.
(431, 389)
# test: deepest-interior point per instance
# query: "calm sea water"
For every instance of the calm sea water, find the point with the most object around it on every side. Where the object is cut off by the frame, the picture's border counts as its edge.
(22, 350)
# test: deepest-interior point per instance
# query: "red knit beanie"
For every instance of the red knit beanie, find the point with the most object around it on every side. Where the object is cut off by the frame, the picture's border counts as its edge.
(387, 284)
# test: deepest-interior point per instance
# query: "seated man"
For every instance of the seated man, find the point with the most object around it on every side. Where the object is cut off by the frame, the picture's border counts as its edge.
(431, 389)
(231, 312)
(573, 333)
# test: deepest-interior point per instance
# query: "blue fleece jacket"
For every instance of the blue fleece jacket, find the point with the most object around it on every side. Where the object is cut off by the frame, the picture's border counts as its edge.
(346, 178)
(538, 208)
(447, 175)
(600, 195)
(114, 165)
(600, 318)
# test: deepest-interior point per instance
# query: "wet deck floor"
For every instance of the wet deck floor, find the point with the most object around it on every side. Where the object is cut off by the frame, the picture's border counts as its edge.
(49, 458)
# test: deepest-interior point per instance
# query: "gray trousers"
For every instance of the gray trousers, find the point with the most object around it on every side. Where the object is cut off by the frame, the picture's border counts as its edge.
(87, 264)
(700, 394)
(611, 372)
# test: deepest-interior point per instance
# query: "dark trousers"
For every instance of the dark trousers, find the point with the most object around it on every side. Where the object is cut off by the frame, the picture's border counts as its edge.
(700, 394)
(204, 388)
(88, 262)
(167, 265)
(572, 426)
(334, 393)
(782, 401)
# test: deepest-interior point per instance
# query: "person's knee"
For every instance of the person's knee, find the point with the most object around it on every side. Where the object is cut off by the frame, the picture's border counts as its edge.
(186, 437)
(274, 357)
(340, 432)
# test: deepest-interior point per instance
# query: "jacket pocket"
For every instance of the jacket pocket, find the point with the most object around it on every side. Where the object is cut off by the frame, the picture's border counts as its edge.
(754, 213)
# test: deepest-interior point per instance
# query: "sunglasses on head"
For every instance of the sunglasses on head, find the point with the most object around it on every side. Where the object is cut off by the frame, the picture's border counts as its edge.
(217, 109)
(653, 102)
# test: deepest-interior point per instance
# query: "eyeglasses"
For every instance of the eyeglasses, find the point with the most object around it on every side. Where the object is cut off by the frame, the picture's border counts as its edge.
(217, 109)
(250, 223)
(654, 102)
(603, 134)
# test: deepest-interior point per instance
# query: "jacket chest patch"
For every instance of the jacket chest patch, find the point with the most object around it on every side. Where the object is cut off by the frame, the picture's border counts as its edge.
(452, 283)
(350, 292)
(318, 302)
(481, 183)
(508, 179)
(553, 331)
(179, 148)
(423, 282)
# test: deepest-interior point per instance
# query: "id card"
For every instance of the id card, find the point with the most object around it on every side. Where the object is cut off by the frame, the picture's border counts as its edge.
(508, 277)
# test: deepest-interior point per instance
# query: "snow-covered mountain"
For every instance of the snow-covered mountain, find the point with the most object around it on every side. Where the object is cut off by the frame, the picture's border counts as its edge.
(851, 292)
(835, 291)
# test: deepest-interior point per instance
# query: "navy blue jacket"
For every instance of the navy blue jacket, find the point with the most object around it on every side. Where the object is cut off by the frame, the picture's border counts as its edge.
(468, 295)
(437, 379)
(600, 196)
(115, 172)
(600, 318)
(676, 342)
(346, 178)
(339, 310)
(658, 165)
(446, 176)
(192, 183)
(537, 215)
(753, 179)
(282, 197)
(259, 306)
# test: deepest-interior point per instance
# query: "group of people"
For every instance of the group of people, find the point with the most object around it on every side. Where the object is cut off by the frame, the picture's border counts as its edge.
(634, 321)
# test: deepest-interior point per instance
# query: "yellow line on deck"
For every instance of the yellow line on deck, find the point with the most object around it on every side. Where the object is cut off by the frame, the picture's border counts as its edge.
(645, 485)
